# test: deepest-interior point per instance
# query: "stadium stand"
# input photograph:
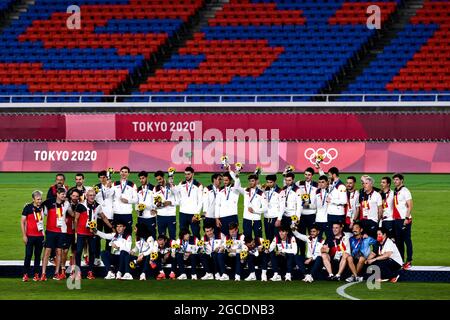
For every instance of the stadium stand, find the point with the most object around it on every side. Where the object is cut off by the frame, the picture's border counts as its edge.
(116, 36)
(309, 40)
(417, 61)
(249, 47)
(4, 5)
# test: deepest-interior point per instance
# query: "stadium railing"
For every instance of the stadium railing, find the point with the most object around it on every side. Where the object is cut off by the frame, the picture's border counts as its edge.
(431, 99)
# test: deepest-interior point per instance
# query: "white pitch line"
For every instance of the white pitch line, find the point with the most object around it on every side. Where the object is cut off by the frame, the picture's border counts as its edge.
(341, 291)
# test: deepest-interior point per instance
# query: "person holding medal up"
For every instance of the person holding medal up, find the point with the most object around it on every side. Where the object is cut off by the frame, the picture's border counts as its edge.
(227, 200)
(125, 195)
(165, 199)
(32, 225)
(145, 207)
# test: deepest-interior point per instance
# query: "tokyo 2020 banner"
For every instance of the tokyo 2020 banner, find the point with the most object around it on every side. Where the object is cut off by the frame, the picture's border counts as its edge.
(223, 126)
(273, 156)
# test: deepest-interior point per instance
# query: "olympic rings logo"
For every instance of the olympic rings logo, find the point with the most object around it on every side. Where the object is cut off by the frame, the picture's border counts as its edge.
(328, 155)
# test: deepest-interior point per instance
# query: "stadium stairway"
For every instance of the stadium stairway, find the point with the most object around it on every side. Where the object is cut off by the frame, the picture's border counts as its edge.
(10, 10)
(14, 269)
(390, 30)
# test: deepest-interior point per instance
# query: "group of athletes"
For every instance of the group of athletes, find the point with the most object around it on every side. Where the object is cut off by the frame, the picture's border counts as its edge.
(313, 229)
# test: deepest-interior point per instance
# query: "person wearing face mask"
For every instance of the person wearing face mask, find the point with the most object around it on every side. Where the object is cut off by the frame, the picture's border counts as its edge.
(386, 256)
(360, 247)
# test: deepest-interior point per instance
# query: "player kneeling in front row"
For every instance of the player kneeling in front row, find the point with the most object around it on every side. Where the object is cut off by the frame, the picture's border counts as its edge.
(335, 252)
(160, 256)
(140, 255)
(314, 260)
(386, 256)
(185, 251)
(211, 251)
(233, 246)
(360, 247)
(118, 258)
(282, 250)
(252, 250)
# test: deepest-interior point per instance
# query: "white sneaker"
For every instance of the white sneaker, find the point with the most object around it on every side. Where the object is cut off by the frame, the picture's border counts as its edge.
(251, 277)
(309, 278)
(263, 276)
(276, 277)
(208, 276)
(287, 277)
(127, 276)
(359, 279)
(237, 278)
(142, 277)
(217, 276)
(224, 277)
(194, 277)
(118, 275)
(97, 262)
(182, 277)
(350, 279)
(110, 276)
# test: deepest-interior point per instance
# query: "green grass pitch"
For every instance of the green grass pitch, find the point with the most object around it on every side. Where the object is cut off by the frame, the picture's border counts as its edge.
(431, 195)
(100, 289)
